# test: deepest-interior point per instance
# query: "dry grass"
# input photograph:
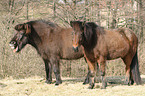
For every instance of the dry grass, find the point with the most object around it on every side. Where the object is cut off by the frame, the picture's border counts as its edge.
(35, 86)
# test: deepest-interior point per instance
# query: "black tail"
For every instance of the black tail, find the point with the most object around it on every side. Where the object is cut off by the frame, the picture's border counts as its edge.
(135, 70)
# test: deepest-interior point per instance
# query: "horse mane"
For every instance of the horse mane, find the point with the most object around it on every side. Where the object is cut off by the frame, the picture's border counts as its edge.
(91, 33)
(21, 26)
(33, 27)
(51, 24)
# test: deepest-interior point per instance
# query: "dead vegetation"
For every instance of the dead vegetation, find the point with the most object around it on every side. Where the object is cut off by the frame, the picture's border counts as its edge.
(36, 86)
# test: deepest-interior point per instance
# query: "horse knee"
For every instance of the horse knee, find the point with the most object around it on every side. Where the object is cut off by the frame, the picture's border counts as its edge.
(55, 70)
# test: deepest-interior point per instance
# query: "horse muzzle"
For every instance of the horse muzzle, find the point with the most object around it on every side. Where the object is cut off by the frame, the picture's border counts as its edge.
(14, 46)
(75, 49)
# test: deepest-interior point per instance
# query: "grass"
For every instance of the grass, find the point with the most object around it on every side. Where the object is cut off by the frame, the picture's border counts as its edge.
(36, 86)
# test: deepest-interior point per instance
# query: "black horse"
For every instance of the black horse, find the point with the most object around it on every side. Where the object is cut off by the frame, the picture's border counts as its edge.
(51, 41)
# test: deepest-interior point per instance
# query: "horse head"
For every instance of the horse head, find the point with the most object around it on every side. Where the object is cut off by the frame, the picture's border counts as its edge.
(20, 39)
(78, 27)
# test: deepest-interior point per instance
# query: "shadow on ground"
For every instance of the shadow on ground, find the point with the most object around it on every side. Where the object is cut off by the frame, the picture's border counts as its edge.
(112, 81)
(2, 85)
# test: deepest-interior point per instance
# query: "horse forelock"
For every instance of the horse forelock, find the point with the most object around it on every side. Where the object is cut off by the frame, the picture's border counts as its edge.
(19, 27)
(77, 25)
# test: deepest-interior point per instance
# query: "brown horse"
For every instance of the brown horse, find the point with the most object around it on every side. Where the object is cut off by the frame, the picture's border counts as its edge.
(51, 42)
(100, 45)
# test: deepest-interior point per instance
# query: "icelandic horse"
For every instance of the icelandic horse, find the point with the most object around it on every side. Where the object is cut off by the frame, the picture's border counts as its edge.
(100, 45)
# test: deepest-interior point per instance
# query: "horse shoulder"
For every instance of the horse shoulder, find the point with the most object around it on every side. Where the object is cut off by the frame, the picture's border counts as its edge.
(101, 46)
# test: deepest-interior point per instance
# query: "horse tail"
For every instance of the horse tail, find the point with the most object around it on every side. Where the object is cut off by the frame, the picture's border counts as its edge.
(135, 70)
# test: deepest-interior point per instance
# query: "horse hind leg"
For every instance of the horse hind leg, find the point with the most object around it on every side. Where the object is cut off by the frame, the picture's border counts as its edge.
(128, 78)
(131, 78)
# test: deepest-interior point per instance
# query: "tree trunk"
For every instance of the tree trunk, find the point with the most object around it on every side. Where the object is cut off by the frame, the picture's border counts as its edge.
(54, 9)
(27, 17)
(86, 10)
(98, 13)
(141, 20)
(114, 13)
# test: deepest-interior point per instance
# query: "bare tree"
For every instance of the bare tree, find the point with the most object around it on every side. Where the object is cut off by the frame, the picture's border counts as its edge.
(141, 18)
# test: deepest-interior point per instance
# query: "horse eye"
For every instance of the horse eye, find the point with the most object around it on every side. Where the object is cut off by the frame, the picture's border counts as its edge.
(82, 34)
(21, 32)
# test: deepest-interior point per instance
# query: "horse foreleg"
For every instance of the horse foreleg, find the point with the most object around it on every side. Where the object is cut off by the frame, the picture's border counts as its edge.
(48, 69)
(56, 70)
(91, 74)
(102, 65)
(87, 80)
(87, 77)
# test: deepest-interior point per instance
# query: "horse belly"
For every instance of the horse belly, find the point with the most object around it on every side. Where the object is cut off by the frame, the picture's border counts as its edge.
(118, 49)
(70, 54)
(117, 54)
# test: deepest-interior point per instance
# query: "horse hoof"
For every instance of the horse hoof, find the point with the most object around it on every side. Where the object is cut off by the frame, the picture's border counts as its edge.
(85, 83)
(48, 82)
(57, 83)
(91, 86)
(127, 83)
(103, 87)
(132, 82)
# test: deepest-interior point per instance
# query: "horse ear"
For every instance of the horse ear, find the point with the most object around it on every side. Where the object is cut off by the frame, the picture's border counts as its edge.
(82, 25)
(27, 28)
(88, 32)
(71, 23)
(19, 27)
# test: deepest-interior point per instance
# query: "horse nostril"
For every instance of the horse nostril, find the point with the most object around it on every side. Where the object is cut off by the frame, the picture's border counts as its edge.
(76, 49)
(13, 42)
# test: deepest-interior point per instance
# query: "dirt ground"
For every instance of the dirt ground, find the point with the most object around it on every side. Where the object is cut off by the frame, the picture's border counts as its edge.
(36, 86)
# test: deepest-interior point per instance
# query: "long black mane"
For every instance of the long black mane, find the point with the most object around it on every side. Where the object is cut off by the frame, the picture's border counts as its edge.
(91, 33)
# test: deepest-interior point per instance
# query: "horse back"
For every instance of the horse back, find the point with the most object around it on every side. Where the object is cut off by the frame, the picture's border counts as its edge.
(118, 42)
(55, 41)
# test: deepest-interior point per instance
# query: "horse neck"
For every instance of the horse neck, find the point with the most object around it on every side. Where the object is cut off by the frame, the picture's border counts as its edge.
(89, 45)
(35, 40)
